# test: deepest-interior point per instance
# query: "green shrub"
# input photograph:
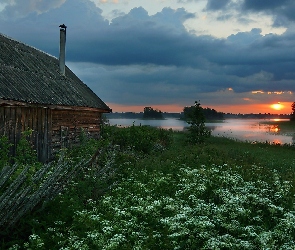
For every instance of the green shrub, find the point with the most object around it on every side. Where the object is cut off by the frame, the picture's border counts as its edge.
(4, 151)
(197, 132)
(201, 207)
(25, 154)
(143, 139)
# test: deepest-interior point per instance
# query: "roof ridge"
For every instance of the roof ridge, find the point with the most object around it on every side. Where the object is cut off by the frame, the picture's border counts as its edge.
(30, 46)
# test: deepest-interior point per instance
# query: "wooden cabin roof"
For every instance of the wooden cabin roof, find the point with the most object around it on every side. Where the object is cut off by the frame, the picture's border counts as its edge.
(32, 76)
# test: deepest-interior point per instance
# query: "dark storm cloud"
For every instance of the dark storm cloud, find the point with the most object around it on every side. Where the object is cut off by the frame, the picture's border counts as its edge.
(82, 17)
(157, 84)
(138, 38)
(247, 48)
(286, 11)
(188, 1)
(259, 5)
(281, 10)
(217, 4)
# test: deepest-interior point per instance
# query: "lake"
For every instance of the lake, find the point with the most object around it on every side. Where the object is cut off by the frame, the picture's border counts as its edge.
(252, 130)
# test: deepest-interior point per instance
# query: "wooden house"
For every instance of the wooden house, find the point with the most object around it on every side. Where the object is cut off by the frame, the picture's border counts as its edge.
(38, 92)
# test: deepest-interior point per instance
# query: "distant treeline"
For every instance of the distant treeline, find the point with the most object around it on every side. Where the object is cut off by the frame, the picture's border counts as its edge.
(210, 114)
(256, 116)
(151, 113)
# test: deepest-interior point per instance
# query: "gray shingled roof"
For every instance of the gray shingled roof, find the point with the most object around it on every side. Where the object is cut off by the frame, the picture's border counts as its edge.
(32, 76)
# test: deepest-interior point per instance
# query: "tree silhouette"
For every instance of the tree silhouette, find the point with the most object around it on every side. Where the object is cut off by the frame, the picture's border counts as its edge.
(194, 116)
(292, 118)
(150, 113)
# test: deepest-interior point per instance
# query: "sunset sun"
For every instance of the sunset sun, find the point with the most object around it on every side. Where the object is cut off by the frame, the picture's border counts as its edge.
(277, 106)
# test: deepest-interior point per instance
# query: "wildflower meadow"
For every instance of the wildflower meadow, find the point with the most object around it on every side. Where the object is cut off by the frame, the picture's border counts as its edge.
(169, 194)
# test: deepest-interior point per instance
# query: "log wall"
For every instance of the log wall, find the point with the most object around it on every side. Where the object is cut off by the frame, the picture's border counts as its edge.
(67, 126)
(15, 120)
(52, 128)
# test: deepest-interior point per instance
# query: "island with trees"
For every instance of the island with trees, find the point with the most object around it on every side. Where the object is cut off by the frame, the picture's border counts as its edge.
(150, 113)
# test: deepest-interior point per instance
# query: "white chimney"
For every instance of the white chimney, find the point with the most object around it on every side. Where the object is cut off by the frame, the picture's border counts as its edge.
(62, 49)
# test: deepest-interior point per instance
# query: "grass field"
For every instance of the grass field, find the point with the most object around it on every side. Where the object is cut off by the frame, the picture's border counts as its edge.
(168, 194)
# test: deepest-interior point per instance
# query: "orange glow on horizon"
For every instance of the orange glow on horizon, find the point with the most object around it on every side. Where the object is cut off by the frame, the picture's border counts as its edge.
(284, 108)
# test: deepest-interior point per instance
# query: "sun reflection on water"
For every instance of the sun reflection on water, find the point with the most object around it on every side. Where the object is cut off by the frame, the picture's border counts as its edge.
(274, 129)
(251, 131)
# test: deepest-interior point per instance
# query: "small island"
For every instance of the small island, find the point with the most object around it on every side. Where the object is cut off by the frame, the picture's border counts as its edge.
(150, 113)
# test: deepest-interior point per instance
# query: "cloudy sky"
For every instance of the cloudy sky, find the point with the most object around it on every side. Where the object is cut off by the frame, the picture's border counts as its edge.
(232, 55)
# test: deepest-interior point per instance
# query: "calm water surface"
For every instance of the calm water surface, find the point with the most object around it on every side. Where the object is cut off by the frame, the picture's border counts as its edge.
(241, 129)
